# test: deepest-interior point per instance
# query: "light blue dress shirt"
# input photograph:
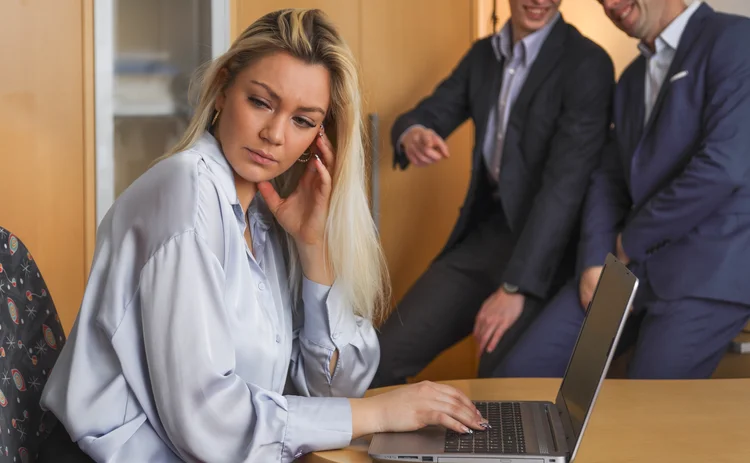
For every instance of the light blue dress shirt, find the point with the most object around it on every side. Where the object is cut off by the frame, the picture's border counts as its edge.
(184, 341)
(660, 61)
(518, 59)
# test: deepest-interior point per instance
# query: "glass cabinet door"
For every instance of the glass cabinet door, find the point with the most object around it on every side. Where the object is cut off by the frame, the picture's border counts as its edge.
(147, 52)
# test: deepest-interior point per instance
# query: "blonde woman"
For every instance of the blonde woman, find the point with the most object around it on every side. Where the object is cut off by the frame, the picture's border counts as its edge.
(242, 267)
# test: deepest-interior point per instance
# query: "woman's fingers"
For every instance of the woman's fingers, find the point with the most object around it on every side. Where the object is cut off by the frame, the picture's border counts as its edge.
(456, 410)
(450, 423)
(326, 151)
(456, 394)
(453, 402)
(325, 176)
(270, 196)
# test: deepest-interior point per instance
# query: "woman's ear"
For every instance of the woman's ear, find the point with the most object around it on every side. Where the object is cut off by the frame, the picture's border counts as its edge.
(222, 78)
(219, 102)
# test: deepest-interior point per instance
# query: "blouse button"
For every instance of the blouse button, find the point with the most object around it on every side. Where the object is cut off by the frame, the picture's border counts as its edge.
(261, 286)
(278, 338)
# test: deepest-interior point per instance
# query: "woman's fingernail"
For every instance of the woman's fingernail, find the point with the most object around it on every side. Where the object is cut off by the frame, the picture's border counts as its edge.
(485, 425)
(468, 431)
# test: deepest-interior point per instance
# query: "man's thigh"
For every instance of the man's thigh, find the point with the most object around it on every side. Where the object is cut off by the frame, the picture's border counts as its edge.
(440, 308)
(685, 339)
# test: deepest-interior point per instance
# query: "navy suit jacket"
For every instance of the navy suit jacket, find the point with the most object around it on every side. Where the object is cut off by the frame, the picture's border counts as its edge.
(678, 186)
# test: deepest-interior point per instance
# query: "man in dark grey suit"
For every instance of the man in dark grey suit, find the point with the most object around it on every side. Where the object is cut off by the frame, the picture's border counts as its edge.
(539, 94)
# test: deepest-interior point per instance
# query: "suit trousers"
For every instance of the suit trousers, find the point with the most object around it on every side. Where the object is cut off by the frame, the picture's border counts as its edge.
(679, 339)
(440, 308)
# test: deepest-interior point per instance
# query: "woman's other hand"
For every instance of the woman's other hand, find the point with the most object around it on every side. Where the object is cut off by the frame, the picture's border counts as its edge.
(413, 407)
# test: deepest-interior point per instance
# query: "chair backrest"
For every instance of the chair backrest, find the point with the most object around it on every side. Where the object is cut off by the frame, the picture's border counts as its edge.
(31, 338)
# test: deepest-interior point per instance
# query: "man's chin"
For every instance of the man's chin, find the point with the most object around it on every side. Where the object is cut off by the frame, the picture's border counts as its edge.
(533, 25)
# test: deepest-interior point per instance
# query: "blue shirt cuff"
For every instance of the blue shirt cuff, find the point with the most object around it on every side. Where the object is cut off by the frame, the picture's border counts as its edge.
(316, 423)
(329, 319)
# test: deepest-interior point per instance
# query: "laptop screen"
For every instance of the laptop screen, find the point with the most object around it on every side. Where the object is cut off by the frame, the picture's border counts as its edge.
(589, 361)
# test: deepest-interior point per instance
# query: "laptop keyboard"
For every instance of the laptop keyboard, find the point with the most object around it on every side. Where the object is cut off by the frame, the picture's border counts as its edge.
(504, 437)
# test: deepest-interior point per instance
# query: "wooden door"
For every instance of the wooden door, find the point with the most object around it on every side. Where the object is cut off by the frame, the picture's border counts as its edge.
(407, 49)
(46, 140)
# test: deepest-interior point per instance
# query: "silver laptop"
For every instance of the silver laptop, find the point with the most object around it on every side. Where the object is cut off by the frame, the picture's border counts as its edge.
(538, 432)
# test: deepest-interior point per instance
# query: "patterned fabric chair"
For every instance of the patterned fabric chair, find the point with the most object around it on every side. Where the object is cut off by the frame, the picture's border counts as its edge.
(31, 338)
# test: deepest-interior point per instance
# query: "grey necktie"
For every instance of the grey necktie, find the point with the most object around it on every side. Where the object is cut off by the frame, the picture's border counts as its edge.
(501, 123)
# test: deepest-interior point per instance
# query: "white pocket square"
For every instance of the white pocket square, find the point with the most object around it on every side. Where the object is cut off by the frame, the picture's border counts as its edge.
(678, 76)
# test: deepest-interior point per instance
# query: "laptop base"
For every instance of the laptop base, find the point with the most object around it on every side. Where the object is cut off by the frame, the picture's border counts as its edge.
(541, 431)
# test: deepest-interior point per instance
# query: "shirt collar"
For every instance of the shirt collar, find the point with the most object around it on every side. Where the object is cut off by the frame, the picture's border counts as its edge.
(259, 212)
(210, 150)
(502, 42)
(671, 35)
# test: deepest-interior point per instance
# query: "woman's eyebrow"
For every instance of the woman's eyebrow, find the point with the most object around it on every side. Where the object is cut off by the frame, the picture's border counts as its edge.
(275, 96)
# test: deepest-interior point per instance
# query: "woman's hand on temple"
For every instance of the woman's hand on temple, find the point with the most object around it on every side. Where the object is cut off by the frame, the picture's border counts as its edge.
(304, 213)
(413, 407)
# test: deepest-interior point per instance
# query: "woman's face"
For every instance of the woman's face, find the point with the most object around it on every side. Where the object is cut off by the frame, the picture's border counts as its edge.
(270, 115)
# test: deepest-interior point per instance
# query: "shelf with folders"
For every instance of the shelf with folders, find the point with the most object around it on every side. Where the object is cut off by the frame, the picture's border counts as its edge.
(143, 85)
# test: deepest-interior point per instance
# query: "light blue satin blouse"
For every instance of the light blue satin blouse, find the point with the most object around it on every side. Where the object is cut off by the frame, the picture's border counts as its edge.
(185, 341)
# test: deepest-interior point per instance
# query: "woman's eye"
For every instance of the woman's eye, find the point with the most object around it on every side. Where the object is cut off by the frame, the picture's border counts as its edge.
(301, 121)
(258, 103)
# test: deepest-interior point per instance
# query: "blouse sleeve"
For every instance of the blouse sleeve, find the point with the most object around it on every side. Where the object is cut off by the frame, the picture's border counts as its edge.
(208, 412)
(329, 325)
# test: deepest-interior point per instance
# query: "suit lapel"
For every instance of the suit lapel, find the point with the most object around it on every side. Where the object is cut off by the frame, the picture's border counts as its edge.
(545, 62)
(689, 36)
(634, 104)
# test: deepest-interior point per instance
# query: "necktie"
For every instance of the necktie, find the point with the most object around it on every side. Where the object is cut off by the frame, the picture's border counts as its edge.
(500, 116)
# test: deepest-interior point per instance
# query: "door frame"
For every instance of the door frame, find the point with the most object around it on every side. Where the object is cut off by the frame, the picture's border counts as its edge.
(104, 32)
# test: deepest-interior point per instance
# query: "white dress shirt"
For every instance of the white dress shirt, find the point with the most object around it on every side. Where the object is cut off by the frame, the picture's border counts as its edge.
(660, 61)
(185, 340)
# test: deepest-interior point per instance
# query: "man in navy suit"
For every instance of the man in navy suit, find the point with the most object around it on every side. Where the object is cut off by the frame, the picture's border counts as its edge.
(671, 198)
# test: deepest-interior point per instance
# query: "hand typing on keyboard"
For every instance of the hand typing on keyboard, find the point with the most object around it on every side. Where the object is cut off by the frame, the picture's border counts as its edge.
(415, 406)
(503, 436)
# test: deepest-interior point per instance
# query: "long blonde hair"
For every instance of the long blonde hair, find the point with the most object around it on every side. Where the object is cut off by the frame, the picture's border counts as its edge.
(355, 254)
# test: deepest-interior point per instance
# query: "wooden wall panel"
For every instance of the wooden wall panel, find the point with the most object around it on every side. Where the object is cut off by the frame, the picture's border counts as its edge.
(407, 49)
(44, 143)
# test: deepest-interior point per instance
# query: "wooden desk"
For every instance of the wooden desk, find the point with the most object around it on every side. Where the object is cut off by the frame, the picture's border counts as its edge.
(633, 421)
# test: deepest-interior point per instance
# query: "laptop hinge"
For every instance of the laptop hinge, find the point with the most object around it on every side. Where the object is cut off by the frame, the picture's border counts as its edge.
(551, 423)
(569, 435)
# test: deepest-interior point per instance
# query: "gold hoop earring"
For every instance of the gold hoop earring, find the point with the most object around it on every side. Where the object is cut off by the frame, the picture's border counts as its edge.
(216, 116)
(306, 156)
